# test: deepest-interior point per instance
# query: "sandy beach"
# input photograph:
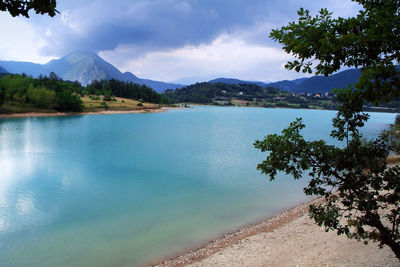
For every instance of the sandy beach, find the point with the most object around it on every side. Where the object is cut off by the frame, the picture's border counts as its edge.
(288, 239)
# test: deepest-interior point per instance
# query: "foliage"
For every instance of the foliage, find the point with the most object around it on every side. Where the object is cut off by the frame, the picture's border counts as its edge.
(69, 102)
(124, 89)
(46, 93)
(22, 7)
(205, 93)
(362, 193)
(41, 97)
(107, 97)
(223, 94)
(369, 41)
(354, 180)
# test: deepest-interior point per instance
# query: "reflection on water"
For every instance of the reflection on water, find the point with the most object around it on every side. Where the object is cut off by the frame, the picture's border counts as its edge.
(125, 189)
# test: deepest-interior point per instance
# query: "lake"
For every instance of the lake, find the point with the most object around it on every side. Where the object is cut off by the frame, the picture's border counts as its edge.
(112, 190)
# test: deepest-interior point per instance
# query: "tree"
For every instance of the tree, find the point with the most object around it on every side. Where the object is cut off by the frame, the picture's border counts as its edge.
(361, 192)
(67, 101)
(22, 7)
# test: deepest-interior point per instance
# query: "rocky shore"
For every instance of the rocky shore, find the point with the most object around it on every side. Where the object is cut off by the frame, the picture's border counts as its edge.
(289, 239)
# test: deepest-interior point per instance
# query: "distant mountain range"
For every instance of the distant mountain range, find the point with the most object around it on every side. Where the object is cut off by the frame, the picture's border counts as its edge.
(315, 84)
(84, 67)
(2, 70)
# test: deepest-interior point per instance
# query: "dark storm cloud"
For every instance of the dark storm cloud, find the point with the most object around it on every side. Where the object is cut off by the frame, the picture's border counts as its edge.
(151, 25)
(155, 25)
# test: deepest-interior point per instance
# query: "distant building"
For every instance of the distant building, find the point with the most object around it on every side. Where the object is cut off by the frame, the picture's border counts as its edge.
(240, 93)
(318, 95)
(223, 91)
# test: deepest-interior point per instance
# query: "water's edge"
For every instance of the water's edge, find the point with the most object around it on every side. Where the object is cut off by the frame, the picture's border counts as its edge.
(207, 248)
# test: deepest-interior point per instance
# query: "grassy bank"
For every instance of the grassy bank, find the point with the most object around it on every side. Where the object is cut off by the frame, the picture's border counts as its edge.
(93, 104)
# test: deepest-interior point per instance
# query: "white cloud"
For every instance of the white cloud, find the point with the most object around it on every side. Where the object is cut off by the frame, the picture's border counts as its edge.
(165, 39)
(72, 23)
(19, 41)
(226, 56)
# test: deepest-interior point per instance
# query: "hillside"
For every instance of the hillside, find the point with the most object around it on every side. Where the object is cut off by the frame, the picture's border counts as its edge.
(236, 81)
(96, 104)
(313, 85)
(245, 95)
(206, 93)
(84, 67)
(254, 95)
(87, 67)
(321, 84)
(22, 94)
(3, 70)
(285, 85)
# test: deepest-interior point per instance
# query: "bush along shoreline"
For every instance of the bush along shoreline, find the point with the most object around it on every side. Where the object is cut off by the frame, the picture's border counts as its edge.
(25, 94)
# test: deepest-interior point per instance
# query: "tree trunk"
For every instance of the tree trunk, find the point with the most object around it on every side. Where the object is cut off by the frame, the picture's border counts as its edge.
(386, 238)
(395, 248)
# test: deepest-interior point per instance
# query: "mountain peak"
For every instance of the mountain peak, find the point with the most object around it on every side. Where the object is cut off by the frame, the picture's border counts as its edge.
(77, 56)
(85, 67)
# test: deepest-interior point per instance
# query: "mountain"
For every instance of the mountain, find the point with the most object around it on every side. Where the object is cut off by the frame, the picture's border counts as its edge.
(3, 70)
(236, 81)
(285, 85)
(23, 67)
(299, 80)
(320, 84)
(215, 92)
(315, 84)
(84, 67)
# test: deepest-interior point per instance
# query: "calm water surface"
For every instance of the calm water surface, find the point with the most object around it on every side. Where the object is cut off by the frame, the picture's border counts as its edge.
(111, 190)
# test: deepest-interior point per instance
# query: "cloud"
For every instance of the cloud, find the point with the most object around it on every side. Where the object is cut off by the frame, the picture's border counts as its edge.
(133, 35)
(158, 24)
(19, 41)
(226, 56)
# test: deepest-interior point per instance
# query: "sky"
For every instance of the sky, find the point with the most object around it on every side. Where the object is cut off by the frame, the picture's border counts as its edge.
(181, 41)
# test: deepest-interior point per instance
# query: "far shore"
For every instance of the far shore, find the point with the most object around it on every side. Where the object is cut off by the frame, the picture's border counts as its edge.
(101, 112)
(109, 112)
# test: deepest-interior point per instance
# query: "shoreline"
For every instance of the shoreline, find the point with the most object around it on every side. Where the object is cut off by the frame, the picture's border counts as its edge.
(285, 107)
(102, 112)
(289, 238)
(224, 240)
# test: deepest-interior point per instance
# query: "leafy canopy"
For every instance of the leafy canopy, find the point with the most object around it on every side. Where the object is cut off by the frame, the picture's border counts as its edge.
(370, 41)
(22, 7)
(362, 193)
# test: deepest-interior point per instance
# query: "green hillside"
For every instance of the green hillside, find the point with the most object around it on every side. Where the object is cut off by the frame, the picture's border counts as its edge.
(254, 95)
(21, 94)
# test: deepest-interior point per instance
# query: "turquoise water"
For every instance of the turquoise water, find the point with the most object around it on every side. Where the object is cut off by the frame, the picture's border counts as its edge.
(112, 190)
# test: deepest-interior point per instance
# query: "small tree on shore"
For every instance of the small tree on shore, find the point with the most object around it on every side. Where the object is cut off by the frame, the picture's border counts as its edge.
(362, 193)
